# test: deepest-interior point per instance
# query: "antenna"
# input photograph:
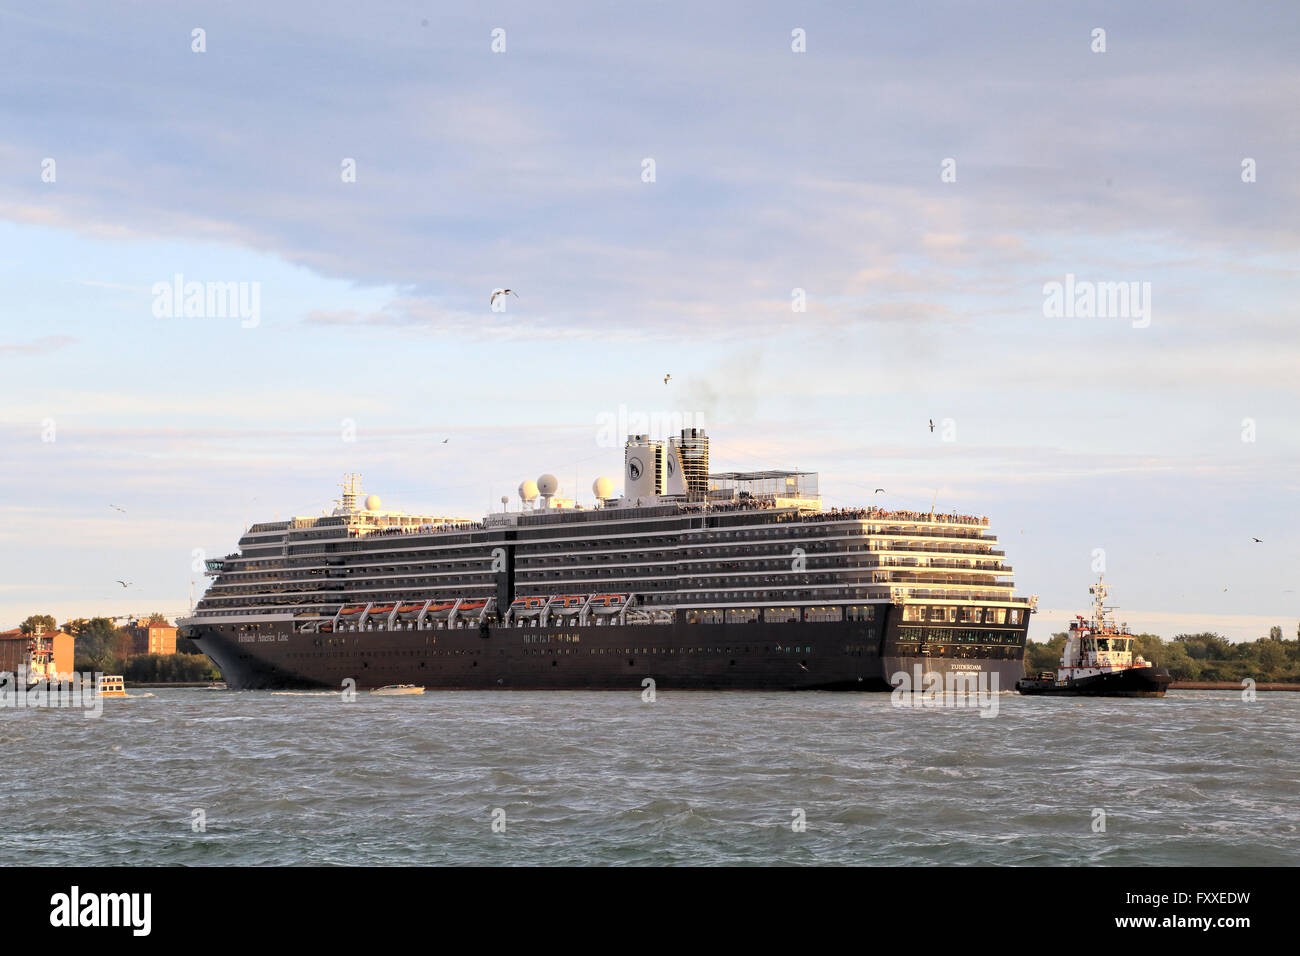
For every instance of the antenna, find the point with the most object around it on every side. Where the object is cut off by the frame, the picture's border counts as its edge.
(351, 486)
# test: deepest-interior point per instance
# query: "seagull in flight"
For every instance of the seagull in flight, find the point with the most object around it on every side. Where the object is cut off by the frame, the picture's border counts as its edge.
(445, 440)
(666, 378)
(1256, 540)
(879, 491)
(125, 584)
(123, 510)
(502, 292)
(932, 424)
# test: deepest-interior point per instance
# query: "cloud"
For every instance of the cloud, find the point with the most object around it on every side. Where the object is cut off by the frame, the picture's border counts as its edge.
(41, 346)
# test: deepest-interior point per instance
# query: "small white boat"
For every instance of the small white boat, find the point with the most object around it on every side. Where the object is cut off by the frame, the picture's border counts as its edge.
(111, 685)
(397, 690)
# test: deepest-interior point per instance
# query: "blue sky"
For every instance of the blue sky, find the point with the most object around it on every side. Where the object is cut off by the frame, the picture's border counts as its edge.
(774, 171)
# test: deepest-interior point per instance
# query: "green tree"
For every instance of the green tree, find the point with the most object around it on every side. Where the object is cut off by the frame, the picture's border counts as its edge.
(157, 617)
(1150, 647)
(1045, 656)
(1205, 646)
(1272, 656)
(1180, 664)
(75, 626)
(43, 620)
(169, 668)
(97, 646)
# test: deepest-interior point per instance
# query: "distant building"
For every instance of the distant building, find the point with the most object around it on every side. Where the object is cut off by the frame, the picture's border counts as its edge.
(151, 638)
(44, 655)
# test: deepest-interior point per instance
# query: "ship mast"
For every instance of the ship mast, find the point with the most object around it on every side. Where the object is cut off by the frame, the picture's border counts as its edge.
(351, 489)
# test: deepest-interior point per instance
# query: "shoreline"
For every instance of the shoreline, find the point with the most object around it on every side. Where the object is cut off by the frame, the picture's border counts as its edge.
(1231, 685)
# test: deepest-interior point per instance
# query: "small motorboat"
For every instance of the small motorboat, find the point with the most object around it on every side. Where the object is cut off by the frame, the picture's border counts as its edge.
(397, 690)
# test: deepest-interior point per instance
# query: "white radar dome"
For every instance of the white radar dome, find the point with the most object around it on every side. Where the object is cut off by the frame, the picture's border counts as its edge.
(602, 488)
(547, 485)
(528, 491)
(373, 502)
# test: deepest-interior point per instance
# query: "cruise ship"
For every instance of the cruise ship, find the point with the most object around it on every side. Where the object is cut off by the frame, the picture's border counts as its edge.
(687, 579)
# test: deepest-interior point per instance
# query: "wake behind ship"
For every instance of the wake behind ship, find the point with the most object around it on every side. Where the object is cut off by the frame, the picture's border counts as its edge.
(695, 580)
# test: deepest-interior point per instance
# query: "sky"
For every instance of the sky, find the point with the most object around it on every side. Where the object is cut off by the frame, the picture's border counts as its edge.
(826, 248)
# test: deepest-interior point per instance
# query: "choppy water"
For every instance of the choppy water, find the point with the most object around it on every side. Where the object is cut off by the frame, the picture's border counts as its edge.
(603, 778)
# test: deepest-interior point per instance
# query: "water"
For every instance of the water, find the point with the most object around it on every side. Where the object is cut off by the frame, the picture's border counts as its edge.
(603, 778)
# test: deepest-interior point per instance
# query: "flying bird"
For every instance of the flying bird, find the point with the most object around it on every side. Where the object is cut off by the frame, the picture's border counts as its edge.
(879, 491)
(666, 378)
(932, 424)
(125, 584)
(502, 292)
(1256, 540)
(445, 440)
(123, 510)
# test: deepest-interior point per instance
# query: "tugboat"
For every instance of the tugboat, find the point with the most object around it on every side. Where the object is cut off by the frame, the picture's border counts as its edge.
(1098, 660)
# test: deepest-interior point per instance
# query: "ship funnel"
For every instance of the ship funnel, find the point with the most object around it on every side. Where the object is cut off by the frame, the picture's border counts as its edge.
(642, 468)
(693, 453)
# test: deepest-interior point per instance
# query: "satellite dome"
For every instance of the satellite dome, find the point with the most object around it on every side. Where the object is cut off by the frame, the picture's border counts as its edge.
(373, 502)
(528, 491)
(602, 488)
(547, 485)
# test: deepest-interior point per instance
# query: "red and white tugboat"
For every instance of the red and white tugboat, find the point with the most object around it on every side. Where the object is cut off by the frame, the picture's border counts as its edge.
(1098, 660)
